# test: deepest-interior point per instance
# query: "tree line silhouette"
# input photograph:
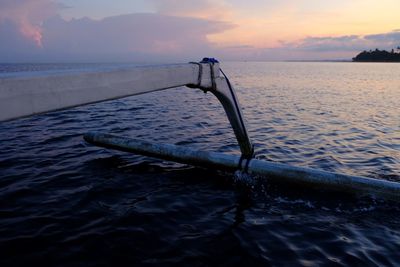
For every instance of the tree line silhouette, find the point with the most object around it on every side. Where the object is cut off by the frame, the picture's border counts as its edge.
(378, 56)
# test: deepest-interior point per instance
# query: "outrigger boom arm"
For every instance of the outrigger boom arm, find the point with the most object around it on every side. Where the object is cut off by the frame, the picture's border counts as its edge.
(28, 94)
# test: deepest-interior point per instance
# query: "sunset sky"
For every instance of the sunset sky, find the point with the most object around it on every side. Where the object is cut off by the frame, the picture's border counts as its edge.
(182, 30)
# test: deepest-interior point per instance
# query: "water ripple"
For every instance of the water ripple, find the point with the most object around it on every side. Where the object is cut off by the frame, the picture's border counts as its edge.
(67, 203)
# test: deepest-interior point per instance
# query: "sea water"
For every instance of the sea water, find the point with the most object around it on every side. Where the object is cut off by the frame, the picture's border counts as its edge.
(65, 202)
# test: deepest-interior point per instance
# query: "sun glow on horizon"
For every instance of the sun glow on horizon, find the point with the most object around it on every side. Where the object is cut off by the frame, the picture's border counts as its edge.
(292, 21)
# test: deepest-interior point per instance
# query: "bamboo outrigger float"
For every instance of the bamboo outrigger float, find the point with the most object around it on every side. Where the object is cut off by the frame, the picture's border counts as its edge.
(22, 96)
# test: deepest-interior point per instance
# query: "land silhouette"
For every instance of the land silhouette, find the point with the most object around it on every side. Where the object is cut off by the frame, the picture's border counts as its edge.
(378, 56)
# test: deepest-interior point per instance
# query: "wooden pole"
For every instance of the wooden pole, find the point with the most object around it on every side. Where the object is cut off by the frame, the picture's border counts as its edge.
(275, 171)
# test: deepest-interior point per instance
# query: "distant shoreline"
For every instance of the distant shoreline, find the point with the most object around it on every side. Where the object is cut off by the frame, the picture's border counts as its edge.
(380, 56)
(374, 61)
(324, 60)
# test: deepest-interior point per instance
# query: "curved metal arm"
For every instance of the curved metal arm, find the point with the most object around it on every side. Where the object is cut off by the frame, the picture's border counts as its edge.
(227, 96)
(223, 90)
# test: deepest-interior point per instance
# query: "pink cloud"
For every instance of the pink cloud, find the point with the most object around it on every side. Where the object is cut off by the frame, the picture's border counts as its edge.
(28, 15)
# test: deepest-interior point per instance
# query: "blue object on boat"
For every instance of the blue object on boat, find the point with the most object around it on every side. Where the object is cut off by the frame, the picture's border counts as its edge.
(209, 60)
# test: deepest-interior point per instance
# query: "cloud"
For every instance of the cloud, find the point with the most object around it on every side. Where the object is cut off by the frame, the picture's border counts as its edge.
(32, 30)
(13, 43)
(134, 37)
(391, 38)
(340, 43)
(316, 48)
(346, 43)
(27, 15)
(207, 9)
